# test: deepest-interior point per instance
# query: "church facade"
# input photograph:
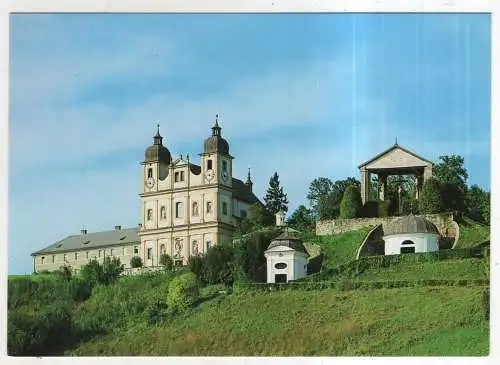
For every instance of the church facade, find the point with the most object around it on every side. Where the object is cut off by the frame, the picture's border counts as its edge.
(185, 209)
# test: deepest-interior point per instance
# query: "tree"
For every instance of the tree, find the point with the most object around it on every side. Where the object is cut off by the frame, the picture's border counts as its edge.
(218, 268)
(302, 219)
(275, 198)
(111, 269)
(430, 201)
(135, 262)
(478, 204)
(166, 261)
(196, 264)
(325, 196)
(92, 272)
(351, 205)
(259, 216)
(452, 175)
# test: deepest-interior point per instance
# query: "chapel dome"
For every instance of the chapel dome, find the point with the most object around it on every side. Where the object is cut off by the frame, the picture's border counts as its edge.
(215, 143)
(410, 224)
(288, 240)
(158, 152)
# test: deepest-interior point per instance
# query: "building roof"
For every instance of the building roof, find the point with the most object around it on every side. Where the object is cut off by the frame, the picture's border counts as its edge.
(215, 143)
(393, 147)
(93, 240)
(409, 224)
(243, 192)
(157, 151)
(287, 239)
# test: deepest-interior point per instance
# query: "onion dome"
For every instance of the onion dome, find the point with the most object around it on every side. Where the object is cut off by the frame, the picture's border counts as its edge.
(216, 143)
(158, 152)
(288, 240)
(410, 224)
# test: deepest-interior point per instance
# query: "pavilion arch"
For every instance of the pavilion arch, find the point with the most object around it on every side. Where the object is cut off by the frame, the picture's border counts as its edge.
(394, 161)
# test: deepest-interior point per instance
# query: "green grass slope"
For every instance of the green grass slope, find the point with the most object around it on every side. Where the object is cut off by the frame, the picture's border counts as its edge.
(472, 235)
(446, 269)
(339, 248)
(437, 321)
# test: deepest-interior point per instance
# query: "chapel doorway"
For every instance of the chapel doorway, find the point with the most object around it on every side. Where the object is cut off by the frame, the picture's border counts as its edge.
(280, 278)
(407, 249)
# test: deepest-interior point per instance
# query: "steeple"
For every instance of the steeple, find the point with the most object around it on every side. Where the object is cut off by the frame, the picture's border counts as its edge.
(158, 138)
(396, 141)
(249, 182)
(216, 129)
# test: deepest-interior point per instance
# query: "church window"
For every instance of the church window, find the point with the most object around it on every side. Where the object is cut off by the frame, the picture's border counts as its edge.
(280, 265)
(209, 207)
(150, 172)
(408, 242)
(163, 213)
(224, 208)
(87, 255)
(111, 251)
(150, 214)
(100, 254)
(136, 250)
(150, 253)
(182, 175)
(224, 165)
(123, 251)
(43, 259)
(53, 258)
(64, 257)
(176, 179)
(76, 256)
(195, 209)
(209, 164)
(179, 210)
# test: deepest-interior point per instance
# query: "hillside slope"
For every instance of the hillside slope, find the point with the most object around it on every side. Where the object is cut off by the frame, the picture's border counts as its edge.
(419, 321)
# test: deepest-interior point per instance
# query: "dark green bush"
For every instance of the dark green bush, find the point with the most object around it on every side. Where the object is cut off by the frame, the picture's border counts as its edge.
(431, 201)
(183, 292)
(351, 205)
(196, 265)
(218, 267)
(135, 262)
(166, 261)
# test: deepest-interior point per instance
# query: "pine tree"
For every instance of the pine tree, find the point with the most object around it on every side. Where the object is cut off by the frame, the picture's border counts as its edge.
(275, 198)
(350, 206)
(431, 200)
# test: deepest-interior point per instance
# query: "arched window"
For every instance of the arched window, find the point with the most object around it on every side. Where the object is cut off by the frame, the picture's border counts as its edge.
(408, 242)
(179, 210)
(195, 209)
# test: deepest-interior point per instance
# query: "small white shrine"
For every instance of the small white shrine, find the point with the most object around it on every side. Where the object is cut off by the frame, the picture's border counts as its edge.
(410, 234)
(286, 255)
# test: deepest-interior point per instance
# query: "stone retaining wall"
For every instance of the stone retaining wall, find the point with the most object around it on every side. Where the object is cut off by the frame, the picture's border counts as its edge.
(443, 222)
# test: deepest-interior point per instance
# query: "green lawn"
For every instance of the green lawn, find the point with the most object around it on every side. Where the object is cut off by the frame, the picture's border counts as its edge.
(340, 248)
(444, 269)
(441, 321)
(472, 235)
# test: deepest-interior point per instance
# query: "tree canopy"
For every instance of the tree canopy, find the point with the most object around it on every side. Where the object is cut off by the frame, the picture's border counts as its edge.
(275, 198)
(325, 196)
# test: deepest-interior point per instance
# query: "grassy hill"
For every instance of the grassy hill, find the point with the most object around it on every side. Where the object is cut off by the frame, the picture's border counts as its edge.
(421, 321)
(472, 235)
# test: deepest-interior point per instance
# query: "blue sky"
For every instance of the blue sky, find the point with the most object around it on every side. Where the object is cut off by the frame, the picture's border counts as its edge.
(307, 95)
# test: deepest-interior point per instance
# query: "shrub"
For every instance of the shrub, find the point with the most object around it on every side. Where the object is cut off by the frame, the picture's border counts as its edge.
(80, 289)
(135, 262)
(111, 269)
(92, 272)
(218, 268)
(196, 264)
(38, 332)
(350, 206)
(430, 200)
(166, 261)
(64, 273)
(183, 292)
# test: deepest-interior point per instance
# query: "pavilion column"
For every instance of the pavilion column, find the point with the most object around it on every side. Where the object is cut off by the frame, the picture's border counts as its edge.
(427, 172)
(365, 185)
(382, 178)
(420, 183)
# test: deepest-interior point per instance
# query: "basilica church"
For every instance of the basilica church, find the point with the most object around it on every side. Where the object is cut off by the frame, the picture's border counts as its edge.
(185, 209)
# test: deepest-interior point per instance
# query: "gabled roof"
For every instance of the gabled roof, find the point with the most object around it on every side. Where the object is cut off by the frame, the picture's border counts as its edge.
(241, 191)
(93, 240)
(392, 148)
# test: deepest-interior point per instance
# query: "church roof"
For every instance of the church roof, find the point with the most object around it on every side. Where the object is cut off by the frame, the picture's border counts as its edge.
(93, 240)
(409, 224)
(287, 239)
(392, 148)
(242, 191)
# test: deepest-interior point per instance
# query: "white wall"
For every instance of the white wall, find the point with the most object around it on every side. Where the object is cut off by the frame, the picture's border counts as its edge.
(296, 263)
(424, 242)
